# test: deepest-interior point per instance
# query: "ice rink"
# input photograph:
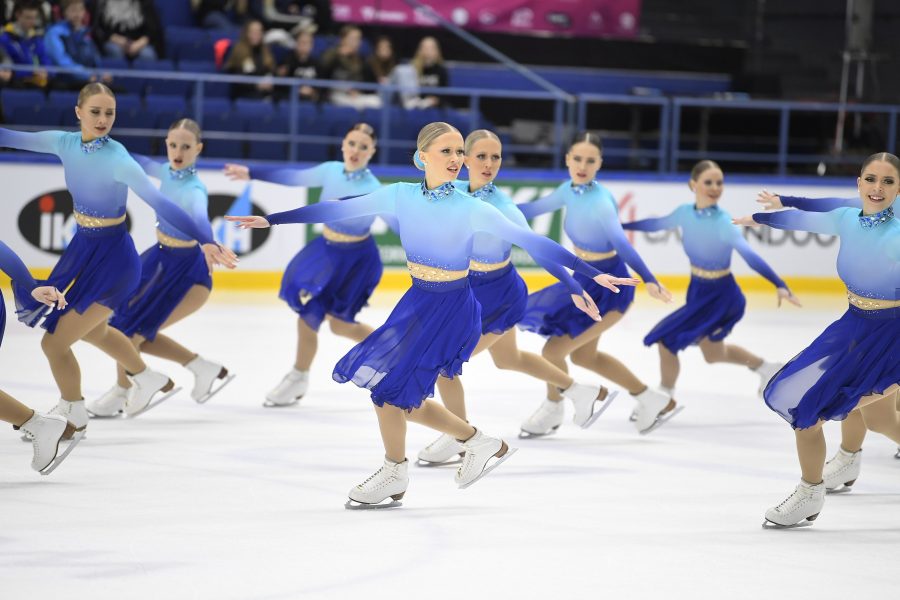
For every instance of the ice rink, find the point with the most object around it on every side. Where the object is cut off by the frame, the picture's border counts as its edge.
(233, 501)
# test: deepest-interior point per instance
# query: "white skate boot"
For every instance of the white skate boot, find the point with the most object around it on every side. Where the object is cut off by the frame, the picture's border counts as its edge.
(206, 374)
(670, 392)
(73, 412)
(483, 455)
(147, 384)
(799, 509)
(653, 410)
(590, 402)
(287, 393)
(440, 452)
(46, 432)
(766, 371)
(545, 420)
(110, 404)
(842, 471)
(390, 481)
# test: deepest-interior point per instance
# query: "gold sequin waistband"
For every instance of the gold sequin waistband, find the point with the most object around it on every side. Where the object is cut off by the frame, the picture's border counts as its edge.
(483, 267)
(97, 222)
(593, 256)
(426, 273)
(707, 274)
(870, 303)
(174, 242)
(342, 238)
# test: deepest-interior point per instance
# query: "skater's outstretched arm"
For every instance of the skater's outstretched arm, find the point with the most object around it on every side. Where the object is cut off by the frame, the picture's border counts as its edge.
(549, 203)
(198, 201)
(381, 201)
(312, 177)
(824, 223)
(772, 201)
(669, 221)
(46, 142)
(150, 166)
(757, 263)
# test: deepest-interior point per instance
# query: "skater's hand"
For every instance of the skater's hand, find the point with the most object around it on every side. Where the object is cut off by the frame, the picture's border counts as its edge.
(586, 305)
(786, 294)
(249, 222)
(659, 292)
(745, 221)
(769, 200)
(236, 172)
(49, 295)
(217, 254)
(611, 281)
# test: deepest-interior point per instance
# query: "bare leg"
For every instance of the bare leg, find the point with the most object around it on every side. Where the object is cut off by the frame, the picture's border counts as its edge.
(714, 352)
(881, 416)
(392, 423)
(669, 366)
(451, 390)
(121, 375)
(307, 345)
(853, 432)
(12, 411)
(355, 331)
(811, 452)
(506, 355)
(431, 414)
(72, 327)
(164, 346)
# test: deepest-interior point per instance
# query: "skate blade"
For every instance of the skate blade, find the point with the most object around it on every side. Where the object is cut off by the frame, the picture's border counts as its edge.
(527, 435)
(841, 489)
(269, 404)
(61, 457)
(632, 417)
(898, 454)
(430, 465)
(354, 505)
(767, 524)
(491, 466)
(155, 403)
(118, 415)
(604, 404)
(662, 420)
(216, 389)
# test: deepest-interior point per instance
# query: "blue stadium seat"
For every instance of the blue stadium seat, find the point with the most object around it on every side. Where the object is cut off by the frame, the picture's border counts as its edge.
(210, 89)
(338, 119)
(250, 109)
(264, 150)
(219, 121)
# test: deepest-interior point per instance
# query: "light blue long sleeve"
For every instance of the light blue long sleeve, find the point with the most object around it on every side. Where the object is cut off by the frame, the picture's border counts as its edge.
(869, 257)
(99, 181)
(12, 265)
(592, 222)
(819, 204)
(488, 248)
(187, 191)
(709, 239)
(440, 233)
(335, 184)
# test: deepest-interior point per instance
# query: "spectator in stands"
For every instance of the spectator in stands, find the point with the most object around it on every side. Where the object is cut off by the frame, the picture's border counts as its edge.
(294, 14)
(220, 14)
(23, 42)
(5, 72)
(250, 56)
(344, 63)
(301, 63)
(69, 44)
(429, 65)
(128, 28)
(383, 59)
(8, 7)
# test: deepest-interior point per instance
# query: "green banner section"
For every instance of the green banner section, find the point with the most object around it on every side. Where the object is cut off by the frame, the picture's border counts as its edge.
(520, 190)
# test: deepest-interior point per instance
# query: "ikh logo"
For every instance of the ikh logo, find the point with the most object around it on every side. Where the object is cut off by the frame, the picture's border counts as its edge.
(241, 241)
(48, 221)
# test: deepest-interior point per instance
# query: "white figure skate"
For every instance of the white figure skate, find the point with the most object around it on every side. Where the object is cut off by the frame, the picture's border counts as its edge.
(653, 410)
(46, 433)
(799, 509)
(388, 482)
(110, 404)
(842, 471)
(483, 455)
(209, 378)
(289, 392)
(590, 402)
(146, 385)
(445, 450)
(766, 371)
(544, 421)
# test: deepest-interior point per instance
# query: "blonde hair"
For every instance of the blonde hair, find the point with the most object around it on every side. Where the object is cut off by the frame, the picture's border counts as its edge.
(427, 135)
(418, 62)
(92, 89)
(703, 165)
(189, 124)
(242, 50)
(478, 135)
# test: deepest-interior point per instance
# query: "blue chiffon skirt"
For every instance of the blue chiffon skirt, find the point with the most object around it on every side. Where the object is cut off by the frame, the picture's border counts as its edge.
(713, 308)
(502, 295)
(857, 355)
(550, 311)
(331, 278)
(100, 266)
(431, 332)
(166, 276)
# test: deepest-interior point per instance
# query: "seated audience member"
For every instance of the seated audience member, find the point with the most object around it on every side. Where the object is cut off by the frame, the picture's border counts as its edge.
(344, 63)
(250, 56)
(383, 59)
(431, 72)
(69, 44)
(300, 63)
(23, 42)
(220, 14)
(127, 28)
(289, 14)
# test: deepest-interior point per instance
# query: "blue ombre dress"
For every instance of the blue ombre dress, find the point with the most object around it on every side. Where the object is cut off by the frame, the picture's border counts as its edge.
(592, 223)
(715, 303)
(23, 282)
(820, 204)
(335, 273)
(436, 325)
(859, 354)
(100, 265)
(501, 291)
(170, 268)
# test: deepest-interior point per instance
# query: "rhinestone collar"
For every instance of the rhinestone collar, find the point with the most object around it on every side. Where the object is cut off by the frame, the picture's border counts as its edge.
(580, 188)
(356, 175)
(94, 145)
(182, 173)
(485, 190)
(870, 221)
(438, 193)
(706, 211)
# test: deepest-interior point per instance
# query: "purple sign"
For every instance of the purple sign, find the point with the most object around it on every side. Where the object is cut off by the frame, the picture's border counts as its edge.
(587, 18)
